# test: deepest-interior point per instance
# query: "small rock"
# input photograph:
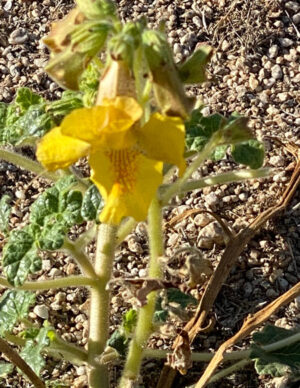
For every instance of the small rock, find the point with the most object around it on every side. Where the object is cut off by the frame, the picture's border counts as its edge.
(248, 289)
(210, 235)
(46, 265)
(283, 283)
(197, 21)
(280, 382)
(286, 42)
(177, 48)
(55, 272)
(277, 161)
(8, 5)
(269, 82)
(80, 382)
(18, 36)
(283, 96)
(80, 370)
(292, 6)
(225, 45)
(20, 194)
(41, 311)
(276, 72)
(296, 18)
(212, 199)
(273, 51)
(271, 293)
(243, 196)
(202, 219)
(297, 302)
(253, 83)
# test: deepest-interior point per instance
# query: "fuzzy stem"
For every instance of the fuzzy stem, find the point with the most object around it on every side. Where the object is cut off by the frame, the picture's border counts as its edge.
(75, 250)
(144, 324)
(68, 281)
(28, 164)
(232, 176)
(99, 309)
(177, 186)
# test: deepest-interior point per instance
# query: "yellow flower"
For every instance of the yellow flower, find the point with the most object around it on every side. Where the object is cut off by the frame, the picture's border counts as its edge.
(126, 159)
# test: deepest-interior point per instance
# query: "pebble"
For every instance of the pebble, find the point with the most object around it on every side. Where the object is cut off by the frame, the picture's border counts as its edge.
(20, 194)
(80, 382)
(292, 6)
(286, 42)
(276, 72)
(277, 161)
(18, 36)
(283, 283)
(210, 235)
(41, 311)
(296, 18)
(273, 51)
(248, 289)
(211, 199)
(202, 219)
(297, 302)
(8, 5)
(271, 293)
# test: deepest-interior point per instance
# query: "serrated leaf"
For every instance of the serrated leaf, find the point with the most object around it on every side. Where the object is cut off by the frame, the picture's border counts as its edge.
(14, 305)
(192, 71)
(5, 210)
(281, 362)
(129, 321)
(31, 352)
(91, 204)
(5, 369)
(20, 256)
(251, 153)
(26, 98)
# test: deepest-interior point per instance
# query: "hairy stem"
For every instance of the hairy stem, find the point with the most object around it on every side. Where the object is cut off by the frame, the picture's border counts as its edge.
(68, 281)
(15, 359)
(28, 164)
(232, 176)
(99, 309)
(144, 324)
(82, 260)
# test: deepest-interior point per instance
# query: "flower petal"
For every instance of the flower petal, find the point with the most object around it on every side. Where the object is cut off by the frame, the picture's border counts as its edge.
(106, 125)
(127, 181)
(56, 150)
(163, 138)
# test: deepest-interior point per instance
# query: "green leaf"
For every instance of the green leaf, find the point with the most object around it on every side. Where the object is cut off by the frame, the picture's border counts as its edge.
(31, 352)
(20, 256)
(25, 98)
(14, 305)
(281, 362)
(5, 369)
(174, 295)
(192, 71)
(91, 204)
(251, 153)
(52, 237)
(219, 152)
(5, 210)
(97, 9)
(3, 111)
(89, 82)
(129, 321)
(118, 341)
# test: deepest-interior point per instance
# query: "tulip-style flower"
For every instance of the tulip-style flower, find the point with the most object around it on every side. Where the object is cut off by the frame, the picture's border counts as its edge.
(126, 159)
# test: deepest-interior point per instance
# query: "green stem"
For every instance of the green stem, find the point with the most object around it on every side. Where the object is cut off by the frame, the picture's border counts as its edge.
(68, 281)
(125, 228)
(177, 186)
(75, 250)
(228, 371)
(28, 164)
(144, 324)
(226, 177)
(99, 308)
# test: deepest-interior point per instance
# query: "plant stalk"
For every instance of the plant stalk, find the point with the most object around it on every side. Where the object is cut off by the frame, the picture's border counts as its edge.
(68, 281)
(99, 309)
(144, 326)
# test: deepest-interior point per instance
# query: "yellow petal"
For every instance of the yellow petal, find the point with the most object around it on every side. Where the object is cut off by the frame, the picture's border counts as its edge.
(163, 138)
(106, 125)
(56, 150)
(127, 181)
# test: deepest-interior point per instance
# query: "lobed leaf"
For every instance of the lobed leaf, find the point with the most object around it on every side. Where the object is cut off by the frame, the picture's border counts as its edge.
(25, 98)
(91, 204)
(250, 153)
(14, 305)
(5, 210)
(20, 256)
(281, 362)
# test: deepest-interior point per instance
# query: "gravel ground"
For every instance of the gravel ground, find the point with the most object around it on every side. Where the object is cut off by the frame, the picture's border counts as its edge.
(255, 71)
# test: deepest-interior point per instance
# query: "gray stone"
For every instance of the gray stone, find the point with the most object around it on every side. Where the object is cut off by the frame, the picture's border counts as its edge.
(41, 311)
(273, 51)
(18, 36)
(276, 72)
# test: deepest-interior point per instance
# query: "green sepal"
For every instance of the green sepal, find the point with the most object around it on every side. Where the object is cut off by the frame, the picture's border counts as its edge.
(14, 305)
(281, 362)
(192, 71)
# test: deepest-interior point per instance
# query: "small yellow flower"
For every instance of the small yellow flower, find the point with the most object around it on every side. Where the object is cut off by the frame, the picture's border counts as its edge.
(126, 159)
